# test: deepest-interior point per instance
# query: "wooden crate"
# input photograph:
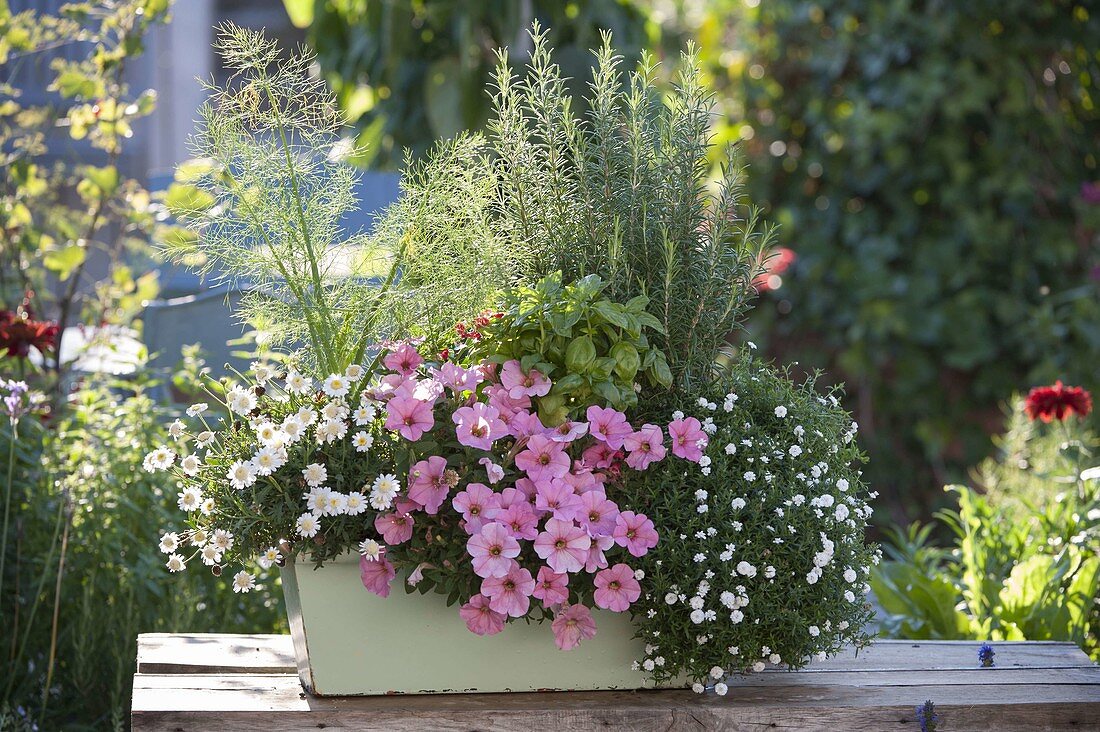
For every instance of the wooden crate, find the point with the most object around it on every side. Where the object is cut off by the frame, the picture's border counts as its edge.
(249, 682)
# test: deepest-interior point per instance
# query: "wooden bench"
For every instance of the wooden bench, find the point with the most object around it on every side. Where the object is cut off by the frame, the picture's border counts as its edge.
(248, 682)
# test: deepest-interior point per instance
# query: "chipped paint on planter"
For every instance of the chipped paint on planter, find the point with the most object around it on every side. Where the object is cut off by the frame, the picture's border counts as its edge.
(348, 641)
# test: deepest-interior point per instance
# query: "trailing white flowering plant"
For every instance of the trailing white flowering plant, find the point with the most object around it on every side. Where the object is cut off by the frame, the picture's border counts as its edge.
(762, 560)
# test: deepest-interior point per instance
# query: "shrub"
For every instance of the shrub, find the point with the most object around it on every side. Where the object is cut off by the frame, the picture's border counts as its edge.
(932, 166)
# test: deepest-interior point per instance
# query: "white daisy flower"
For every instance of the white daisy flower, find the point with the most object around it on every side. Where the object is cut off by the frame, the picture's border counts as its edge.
(355, 503)
(243, 582)
(292, 427)
(241, 475)
(306, 416)
(265, 461)
(160, 459)
(175, 563)
(222, 539)
(175, 430)
(210, 555)
(334, 503)
(317, 499)
(365, 414)
(298, 384)
(262, 372)
(371, 550)
(240, 401)
(269, 435)
(781, 411)
(189, 499)
(198, 537)
(384, 491)
(196, 409)
(307, 525)
(204, 438)
(315, 474)
(331, 430)
(169, 542)
(353, 373)
(362, 441)
(336, 385)
(207, 506)
(190, 465)
(269, 558)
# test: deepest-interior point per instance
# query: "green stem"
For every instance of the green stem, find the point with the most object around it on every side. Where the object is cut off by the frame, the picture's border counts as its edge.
(7, 502)
(54, 622)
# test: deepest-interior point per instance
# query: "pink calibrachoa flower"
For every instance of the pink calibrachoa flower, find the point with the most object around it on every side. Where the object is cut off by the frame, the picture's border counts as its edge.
(424, 390)
(599, 455)
(635, 532)
(478, 505)
(429, 483)
(571, 625)
(411, 418)
(688, 438)
(563, 545)
(480, 618)
(543, 459)
(525, 424)
(511, 594)
(557, 497)
(608, 425)
(568, 431)
(493, 550)
(616, 588)
(522, 492)
(478, 425)
(646, 446)
(492, 471)
(582, 479)
(551, 587)
(395, 528)
(596, 559)
(404, 359)
(596, 513)
(520, 519)
(458, 379)
(519, 384)
(377, 575)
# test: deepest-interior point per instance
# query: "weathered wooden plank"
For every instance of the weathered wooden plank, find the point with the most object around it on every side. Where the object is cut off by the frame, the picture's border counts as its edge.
(274, 702)
(223, 653)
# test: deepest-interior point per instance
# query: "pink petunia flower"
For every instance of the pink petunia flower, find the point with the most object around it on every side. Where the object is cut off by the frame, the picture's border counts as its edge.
(525, 424)
(571, 625)
(646, 446)
(511, 594)
(411, 418)
(377, 575)
(582, 478)
(478, 426)
(395, 528)
(519, 384)
(635, 532)
(599, 455)
(608, 425)
(520, 519)
(616, 588)
(563, 545)
(493, 550)
(478, 504)
(568, 431)
(596, 559)
(429, 483)
(480, 618)
(404, 359)
(551, 587)
(385, 388)
(425, 390)
(688, 438)
(457, 378)
(543, 459)
(492, 471)
(596, 513)
(557, 497)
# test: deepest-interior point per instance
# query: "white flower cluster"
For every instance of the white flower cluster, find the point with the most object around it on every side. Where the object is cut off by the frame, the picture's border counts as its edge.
(215, 462)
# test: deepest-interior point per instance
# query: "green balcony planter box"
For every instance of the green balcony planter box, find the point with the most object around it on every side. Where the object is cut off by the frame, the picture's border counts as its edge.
(350, 642)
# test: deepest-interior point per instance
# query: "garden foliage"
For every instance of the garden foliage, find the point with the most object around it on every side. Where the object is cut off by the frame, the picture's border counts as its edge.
(933, 167)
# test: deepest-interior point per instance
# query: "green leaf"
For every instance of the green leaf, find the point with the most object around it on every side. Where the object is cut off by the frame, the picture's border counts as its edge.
(64, 261)
(300, 12)
(580, 355)
(612, 313)
(105, 178)
(186, 200)
(73, 84)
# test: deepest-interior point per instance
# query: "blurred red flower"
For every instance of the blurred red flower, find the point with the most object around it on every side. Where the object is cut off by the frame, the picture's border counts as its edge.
(19, 332)
(774, 267)
(1057, 402)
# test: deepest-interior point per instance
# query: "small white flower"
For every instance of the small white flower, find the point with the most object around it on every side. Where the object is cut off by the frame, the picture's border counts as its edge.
(222, 539)
(240, 401)
(196, 409)
(190, 465)
(758, 666)
(814, 631)
(261, 371)
(704, 461)
(266, 461)
(736, 617)
(306, 416)
(720, 689)
(849, 575)
(362, 441)
(716, 672)
(211, 555)
(355, 503)
(307, 525)
(198, 537)
(269, 558)
(336, 385)
(841, 512)
(698, 688)
(697, 616)
(335, 410)
(241, 475)
(176, 429)
(750, 476)
(354, 372)
(189, 499)
(746, 569)
(671, 598)
(731, 449)
(781, 411)
(207, 506)
(677, 415)
(292, 428)
(243, 582)
(175, 563)
(737, 504)
(384, 491)
(298, 384)
(696, 603)
(159, 459)
(331, 430)
(169, 542)
(795, 450)
(842, 485)
(315, 474)
(204, 438)
(849, 596)
(371, 550)
(639, 574)
(365, 414)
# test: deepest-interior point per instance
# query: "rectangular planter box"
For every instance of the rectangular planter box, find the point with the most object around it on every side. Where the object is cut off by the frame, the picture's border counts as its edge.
(348, 641)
